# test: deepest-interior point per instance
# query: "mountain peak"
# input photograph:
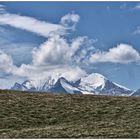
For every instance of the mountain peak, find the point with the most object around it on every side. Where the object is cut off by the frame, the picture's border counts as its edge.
(94, 80)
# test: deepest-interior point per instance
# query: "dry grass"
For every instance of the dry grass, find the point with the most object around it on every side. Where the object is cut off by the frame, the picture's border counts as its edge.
(43, 115)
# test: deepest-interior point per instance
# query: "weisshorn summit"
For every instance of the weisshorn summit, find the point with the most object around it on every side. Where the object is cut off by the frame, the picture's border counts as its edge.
(94, 83)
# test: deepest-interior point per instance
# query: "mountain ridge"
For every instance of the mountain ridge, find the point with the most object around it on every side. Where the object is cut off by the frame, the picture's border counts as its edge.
(94, 83)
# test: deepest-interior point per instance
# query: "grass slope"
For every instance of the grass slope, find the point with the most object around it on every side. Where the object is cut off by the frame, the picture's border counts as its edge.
(34, 115)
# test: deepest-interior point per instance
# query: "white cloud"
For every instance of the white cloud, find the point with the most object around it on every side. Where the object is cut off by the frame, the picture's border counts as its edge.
(31, 24)
(52, 52)
(123, 6)
(42, 28)
(6, 62)
(43, 72)
(22, 54)
(123, 54)
(137, 7)
(126, 6)
(56, 50)
(70, 20)
(137, 31)
(2, 8)
(84, 51)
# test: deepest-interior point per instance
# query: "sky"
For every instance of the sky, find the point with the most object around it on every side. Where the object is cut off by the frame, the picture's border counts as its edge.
(71, 39)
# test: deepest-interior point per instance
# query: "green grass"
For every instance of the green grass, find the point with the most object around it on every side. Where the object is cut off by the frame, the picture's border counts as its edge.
(44, 115)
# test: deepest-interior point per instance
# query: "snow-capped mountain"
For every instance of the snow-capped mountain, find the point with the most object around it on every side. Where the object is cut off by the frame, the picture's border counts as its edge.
(64, 86)
(94, 83)
(51, 85)
(98, 84)
(35, 85)
(136, 93)
(18, 86)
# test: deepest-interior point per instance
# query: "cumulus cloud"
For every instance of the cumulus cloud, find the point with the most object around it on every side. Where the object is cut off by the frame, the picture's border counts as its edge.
(6, 62)
(54, 51)
(57, 50)
(33, 72)
(123, 54)
(55, 58)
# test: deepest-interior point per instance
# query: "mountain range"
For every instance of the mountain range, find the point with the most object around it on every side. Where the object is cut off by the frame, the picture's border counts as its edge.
(94, 83)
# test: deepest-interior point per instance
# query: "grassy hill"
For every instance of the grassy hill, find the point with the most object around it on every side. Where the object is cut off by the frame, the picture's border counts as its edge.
(41, 115)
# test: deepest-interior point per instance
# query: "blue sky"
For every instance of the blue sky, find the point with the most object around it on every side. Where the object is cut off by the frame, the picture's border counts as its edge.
(106, 25)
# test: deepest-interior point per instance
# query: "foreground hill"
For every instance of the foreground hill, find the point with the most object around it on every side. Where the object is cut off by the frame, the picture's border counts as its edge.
(39, 115)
